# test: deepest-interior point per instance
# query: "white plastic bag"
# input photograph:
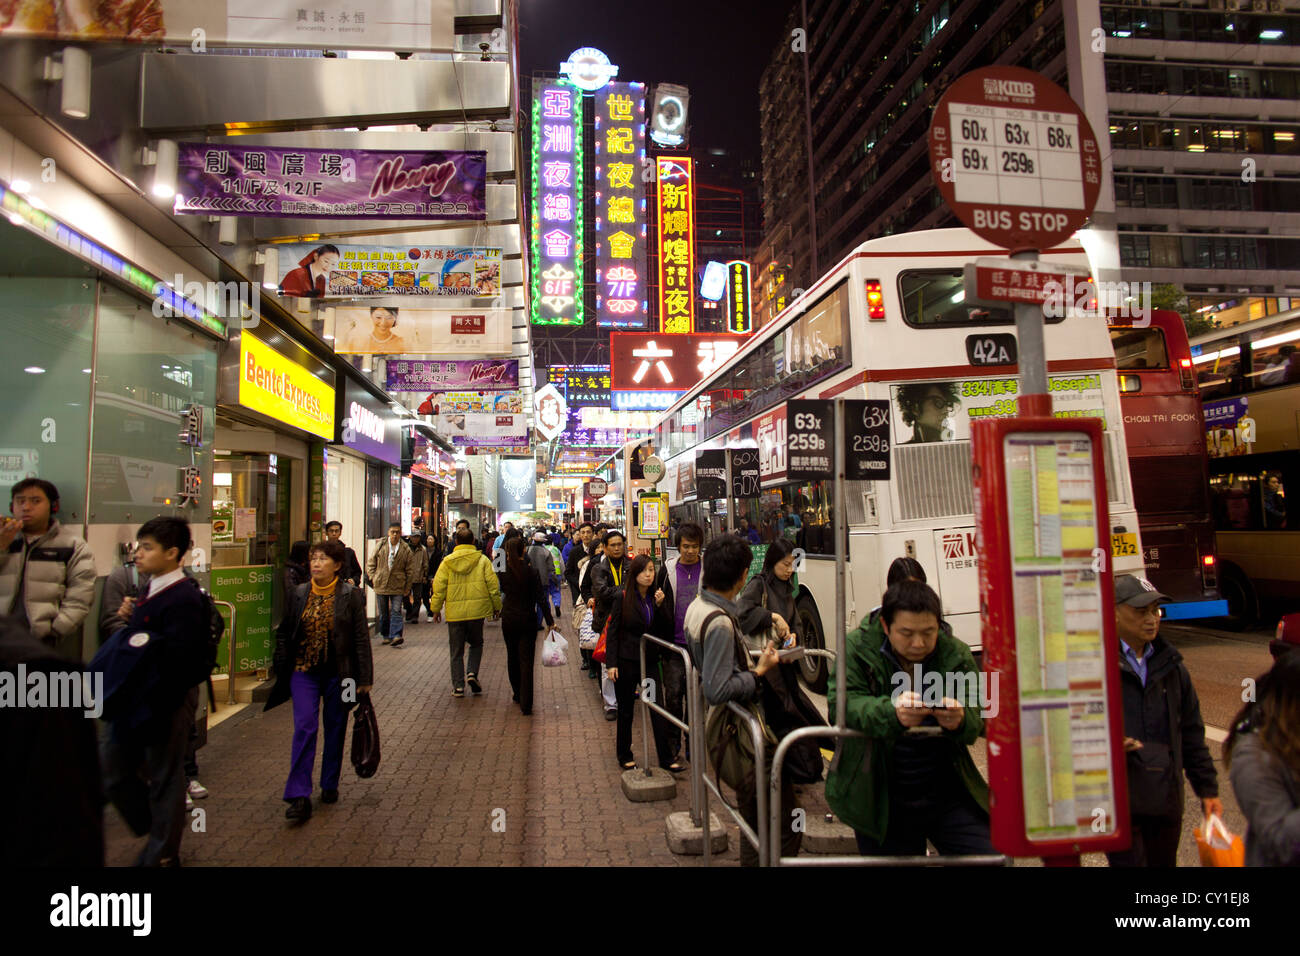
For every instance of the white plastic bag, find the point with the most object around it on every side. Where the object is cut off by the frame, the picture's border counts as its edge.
(553, 650)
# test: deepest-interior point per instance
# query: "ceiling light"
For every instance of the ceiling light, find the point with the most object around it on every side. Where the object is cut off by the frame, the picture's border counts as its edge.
(20, 186)
(34, 370)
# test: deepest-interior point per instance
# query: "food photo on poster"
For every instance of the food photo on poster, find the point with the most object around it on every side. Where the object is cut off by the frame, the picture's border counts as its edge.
(330, 270)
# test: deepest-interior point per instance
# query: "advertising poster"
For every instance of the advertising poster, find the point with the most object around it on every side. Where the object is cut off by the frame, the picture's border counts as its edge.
(1224, 434)
(432, 376)
(517, 485)
(942, 411)
(556, 239)
(245, 523)
(397, 330)
(478, 418)
(336, 271)
(249, 590)
(423, 25)
(286, 183)
(434, 463)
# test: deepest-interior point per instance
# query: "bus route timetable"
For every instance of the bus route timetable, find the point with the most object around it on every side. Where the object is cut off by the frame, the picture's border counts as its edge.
(1015, 158)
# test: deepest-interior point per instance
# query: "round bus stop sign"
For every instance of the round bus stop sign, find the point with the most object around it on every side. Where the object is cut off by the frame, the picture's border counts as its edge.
(1014, 158)
(597, 487)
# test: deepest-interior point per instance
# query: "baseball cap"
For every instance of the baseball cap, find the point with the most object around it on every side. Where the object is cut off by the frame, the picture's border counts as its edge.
(1136, 592)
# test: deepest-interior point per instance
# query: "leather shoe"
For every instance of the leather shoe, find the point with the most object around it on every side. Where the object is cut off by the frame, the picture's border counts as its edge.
(329, 796)
(299, 809)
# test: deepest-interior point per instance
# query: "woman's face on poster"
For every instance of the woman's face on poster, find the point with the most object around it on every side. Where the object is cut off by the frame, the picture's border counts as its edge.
(383, 320)
(326, 261)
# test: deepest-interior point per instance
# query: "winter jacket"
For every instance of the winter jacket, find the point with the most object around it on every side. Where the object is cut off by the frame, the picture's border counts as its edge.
(467, 584)
(1166, 716)
(351, 570)
(520, 600)
(857, 788)
(668, 581)
(572, 560)
(1268, 792)
(605, 586)
(756, 614)
(59, 584)
(397, 579)
(623, 639)
(350, 640)
(419, 565)
(714, 650)
(539, 557)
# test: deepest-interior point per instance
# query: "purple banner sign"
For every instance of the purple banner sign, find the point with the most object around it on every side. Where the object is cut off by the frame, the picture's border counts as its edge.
(286, 183)
(480, 374)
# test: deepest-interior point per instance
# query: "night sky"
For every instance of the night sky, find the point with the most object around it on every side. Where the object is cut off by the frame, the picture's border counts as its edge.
(717, 48)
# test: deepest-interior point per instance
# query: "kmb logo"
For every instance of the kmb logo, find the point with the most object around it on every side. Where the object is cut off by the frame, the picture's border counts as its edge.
(959, 549)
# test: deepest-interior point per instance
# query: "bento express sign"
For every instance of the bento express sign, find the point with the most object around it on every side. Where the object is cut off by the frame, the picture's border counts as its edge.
(274, 385)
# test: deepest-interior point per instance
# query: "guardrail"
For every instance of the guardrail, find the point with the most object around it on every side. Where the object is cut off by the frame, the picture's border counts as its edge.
(691, 722)
(759, 839)
(230, 675)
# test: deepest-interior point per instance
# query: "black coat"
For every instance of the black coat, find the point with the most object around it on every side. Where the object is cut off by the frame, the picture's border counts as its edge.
(600, 584)
(521, 598)
(755, 619)
(351, 640)
(622, 644)
(1166, 716)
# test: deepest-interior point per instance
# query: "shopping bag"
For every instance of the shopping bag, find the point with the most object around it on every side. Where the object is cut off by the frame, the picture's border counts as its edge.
(1218, 846)
(365, 737)
(587, 638)
(553, 650)
(598, 654)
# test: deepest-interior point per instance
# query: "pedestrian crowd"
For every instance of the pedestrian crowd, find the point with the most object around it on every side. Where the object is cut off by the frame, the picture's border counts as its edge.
(908, 781)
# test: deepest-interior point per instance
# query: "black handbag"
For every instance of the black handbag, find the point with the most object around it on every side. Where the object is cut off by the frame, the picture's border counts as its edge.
(365, 738)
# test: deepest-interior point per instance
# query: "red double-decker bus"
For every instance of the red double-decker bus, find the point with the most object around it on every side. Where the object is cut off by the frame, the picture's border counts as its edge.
(1165, 433)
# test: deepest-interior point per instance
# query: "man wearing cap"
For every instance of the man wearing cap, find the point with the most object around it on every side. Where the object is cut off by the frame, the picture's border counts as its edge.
(1164, 735)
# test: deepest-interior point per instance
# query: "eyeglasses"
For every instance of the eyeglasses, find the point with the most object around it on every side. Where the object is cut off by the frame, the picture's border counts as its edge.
(935, 401)
(1151, 610)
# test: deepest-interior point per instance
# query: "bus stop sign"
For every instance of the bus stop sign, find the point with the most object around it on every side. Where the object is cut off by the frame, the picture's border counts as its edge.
(1014, 158)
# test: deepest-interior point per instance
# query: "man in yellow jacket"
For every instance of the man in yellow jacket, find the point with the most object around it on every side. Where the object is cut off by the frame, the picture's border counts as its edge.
(466, 583)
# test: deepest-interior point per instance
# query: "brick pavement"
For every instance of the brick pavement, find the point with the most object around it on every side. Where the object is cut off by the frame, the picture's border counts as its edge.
(450, 767)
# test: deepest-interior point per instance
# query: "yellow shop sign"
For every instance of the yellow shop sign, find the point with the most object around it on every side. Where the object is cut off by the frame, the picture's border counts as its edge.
(281, 388)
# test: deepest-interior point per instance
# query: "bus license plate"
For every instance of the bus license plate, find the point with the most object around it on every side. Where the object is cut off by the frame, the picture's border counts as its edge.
(1123, 545)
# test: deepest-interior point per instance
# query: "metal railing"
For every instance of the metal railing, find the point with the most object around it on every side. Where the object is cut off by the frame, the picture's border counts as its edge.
(691, 679)
(760, 838)
(230, 675)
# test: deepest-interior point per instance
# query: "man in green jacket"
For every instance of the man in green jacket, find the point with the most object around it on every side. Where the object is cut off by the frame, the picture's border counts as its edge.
(912, 777)
(466, 583)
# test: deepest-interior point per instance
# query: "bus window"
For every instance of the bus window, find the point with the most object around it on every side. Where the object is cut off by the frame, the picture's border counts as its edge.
(1274, 502)
(1139, 349)
(934, 297)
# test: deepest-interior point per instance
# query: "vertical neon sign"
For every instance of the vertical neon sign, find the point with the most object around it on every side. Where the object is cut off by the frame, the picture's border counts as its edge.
(737, 297)
(620, 207)
(556, 235)
(676, 244)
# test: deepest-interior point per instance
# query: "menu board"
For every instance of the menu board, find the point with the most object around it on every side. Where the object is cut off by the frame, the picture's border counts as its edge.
(1064, 733)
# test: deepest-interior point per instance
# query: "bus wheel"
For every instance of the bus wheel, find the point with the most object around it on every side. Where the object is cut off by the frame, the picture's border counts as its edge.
(1243, 605)
(815, 669)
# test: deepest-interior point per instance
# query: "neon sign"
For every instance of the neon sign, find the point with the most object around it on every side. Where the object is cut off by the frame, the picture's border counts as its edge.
(556, 235)
(739, 317)
(588, 69)
(676, 244)
(621, 301)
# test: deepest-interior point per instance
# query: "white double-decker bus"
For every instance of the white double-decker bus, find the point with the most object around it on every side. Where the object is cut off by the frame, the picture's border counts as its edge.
(888, 322)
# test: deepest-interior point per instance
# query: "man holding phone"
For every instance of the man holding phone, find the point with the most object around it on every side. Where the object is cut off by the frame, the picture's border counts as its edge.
(912, 778)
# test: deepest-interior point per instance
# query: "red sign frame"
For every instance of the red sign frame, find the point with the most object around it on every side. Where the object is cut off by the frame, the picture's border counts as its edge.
(682, 365)
(992, 101)
(998, 613)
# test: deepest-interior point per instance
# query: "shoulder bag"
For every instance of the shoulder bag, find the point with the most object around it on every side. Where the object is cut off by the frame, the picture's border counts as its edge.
(727, 738)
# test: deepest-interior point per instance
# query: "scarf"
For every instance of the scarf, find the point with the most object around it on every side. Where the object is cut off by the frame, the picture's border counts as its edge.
(317, 625)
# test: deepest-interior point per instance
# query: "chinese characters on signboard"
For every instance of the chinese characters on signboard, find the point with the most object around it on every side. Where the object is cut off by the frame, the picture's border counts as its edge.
(280, 182)
(557, 205)
(737, 298)
(620, 207)
(424, 376)
(676, 244)
(328, 270)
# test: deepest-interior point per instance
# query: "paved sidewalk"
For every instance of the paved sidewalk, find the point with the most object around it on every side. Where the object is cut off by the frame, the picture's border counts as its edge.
(450, 769)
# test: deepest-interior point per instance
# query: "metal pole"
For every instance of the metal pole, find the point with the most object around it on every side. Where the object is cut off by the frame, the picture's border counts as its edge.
(1034, 397)
(697, 766)
(645, 711)
(841, 560)
(230, 676)
(731, 498)
(694, 721)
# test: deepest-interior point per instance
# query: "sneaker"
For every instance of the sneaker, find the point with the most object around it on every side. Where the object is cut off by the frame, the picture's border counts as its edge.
(386, 641)
(197, 790)
(611, 715)
(299, 809)
(329, 796)
(398, 642)
(458, 692)
(474, 685)
(189, 804)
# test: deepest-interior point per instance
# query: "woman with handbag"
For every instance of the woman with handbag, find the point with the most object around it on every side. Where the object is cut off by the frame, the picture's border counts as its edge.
(642, 610)
(322, 641)
(522, 594)
(766, 606)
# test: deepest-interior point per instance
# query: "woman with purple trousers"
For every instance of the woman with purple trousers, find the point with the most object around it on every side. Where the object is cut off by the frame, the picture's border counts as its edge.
(322, 656)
